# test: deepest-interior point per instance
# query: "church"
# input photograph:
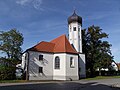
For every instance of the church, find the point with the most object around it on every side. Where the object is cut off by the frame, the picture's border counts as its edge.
(60, 59)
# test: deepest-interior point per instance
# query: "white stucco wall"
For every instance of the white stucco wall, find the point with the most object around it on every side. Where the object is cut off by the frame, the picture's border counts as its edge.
(23, 64)
(72, 72)
(49, 72)
(34, 65)
(66, 72)
(82, 66)
(59, 74)
(75, 37)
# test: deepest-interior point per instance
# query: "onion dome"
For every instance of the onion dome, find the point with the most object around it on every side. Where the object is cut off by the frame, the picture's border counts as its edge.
(75, 18)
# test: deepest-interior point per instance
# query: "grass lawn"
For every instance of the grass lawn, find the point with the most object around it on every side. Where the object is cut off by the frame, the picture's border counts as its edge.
(102, 77)
(13, 81)
(23, 81)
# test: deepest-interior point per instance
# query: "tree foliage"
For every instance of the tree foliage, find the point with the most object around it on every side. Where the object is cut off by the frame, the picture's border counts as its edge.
(7, 69)
(98, 53)
(10, 43)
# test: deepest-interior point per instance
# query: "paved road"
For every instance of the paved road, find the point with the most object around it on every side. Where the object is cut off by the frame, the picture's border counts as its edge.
(107, 84)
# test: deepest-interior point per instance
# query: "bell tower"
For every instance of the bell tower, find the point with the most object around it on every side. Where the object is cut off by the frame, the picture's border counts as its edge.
(75, 37)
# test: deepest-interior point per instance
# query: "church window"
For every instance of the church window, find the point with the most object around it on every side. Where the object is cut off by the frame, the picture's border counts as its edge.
(57, 62)
(40, 57)
(40, 70)
(72, 62)
(74, 28)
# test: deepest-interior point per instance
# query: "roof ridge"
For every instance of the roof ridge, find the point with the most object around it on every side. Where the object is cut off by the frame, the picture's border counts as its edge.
(42, 42)
(54, 41)
(57, 37)
(46, 42)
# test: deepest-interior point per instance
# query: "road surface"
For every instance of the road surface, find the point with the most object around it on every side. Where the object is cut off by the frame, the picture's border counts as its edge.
(106, 84)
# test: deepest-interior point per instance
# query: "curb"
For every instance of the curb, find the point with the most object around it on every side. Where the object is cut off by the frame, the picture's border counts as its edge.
(115, 85)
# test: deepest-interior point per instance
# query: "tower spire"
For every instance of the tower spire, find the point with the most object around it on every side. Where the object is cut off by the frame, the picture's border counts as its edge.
(74, 11)
(75, 37)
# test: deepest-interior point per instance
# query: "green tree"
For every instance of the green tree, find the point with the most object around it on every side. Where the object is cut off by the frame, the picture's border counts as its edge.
(98, 53)
(7, 69)
(10, 44)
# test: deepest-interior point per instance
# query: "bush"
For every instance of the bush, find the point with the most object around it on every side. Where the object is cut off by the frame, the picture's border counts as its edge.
(7, 70)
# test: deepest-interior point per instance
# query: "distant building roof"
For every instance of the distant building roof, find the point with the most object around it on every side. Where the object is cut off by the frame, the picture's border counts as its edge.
(58, 45)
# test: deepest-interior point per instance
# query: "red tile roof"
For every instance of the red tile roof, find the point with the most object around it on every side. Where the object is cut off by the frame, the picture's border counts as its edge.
(58, 45)
(43, 47)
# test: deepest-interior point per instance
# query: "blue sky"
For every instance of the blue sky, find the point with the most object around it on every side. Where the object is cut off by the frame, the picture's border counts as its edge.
(44, 20)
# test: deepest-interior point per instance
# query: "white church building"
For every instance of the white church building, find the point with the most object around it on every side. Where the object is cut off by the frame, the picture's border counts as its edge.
(59, 59)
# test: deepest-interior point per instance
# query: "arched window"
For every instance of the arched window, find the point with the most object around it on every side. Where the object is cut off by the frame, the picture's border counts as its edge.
(72, 62)
(57, 62)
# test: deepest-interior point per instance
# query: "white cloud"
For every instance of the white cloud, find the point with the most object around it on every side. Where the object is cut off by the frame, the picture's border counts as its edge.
(34, 3)
(22, 2)
(37, 4)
